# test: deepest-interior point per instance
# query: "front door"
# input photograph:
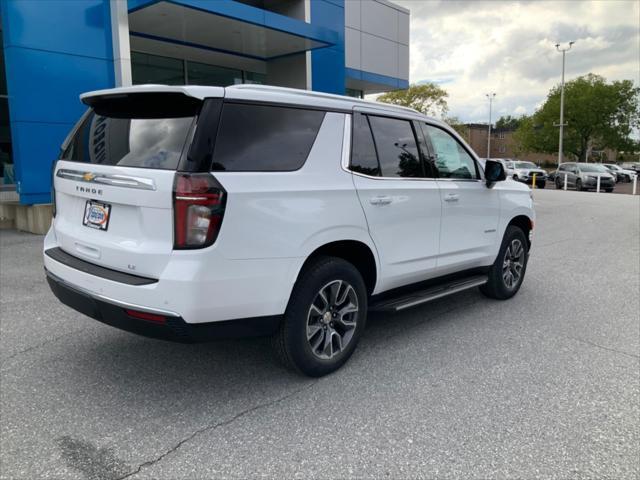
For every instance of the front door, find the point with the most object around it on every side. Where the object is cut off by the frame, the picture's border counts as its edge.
(470, 210)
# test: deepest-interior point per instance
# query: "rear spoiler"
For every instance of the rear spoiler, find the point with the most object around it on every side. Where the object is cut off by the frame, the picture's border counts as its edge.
(150, 101)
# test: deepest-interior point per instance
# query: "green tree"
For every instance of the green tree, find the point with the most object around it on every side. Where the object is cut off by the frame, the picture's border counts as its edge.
(508, 122)
(427, 98)
(458, 126)
(598, 115)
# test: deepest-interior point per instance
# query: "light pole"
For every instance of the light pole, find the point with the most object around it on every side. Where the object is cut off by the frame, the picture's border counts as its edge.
(490, 96)
(561, 125)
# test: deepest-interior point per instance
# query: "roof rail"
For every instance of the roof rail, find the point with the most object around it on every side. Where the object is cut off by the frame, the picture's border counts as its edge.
(328, 96)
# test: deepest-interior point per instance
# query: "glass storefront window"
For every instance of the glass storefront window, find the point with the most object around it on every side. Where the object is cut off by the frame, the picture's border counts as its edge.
(212, 75)
(351, 92)
(147, 68)
(5, 127)
(255, 78)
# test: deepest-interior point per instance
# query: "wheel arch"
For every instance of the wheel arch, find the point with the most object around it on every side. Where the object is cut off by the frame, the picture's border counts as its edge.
(356, 252)
(525, 223)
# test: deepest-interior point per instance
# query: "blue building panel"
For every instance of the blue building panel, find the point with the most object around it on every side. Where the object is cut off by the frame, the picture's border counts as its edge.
(395, 83)
(36, 145)
(44, 85)
(54, 50)
(76, 27)
(328, 64)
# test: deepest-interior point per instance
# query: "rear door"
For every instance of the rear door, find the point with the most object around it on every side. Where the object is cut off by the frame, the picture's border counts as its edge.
(401, 203)
(470, 210)
(114, 180)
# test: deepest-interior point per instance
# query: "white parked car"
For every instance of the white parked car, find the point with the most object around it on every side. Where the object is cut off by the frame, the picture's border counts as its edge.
(187, 213)
(524, 172)
(620, 174)
(508, 165)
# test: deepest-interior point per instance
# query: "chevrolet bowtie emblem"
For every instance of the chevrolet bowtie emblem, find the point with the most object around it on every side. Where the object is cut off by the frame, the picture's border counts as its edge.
(87, 177)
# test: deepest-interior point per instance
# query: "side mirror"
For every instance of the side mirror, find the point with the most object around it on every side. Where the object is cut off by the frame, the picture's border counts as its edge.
(494, 172)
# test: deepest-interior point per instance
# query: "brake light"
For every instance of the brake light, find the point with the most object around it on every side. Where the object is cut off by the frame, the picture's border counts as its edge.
(198, 208)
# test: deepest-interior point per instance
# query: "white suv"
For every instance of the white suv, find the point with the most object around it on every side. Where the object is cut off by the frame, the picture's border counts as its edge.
(187, 213)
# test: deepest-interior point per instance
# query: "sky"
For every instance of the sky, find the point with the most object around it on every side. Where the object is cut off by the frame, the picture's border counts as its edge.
(475, 47)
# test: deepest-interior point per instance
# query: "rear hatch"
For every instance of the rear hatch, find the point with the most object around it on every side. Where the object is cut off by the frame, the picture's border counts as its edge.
(114, 180)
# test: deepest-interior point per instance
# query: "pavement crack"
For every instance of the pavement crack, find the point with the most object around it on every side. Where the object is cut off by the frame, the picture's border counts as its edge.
(215, 426)
(39, 345)
(604, 348)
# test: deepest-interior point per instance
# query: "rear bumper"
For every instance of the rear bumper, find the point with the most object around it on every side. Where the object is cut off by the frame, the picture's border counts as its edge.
(172, 328)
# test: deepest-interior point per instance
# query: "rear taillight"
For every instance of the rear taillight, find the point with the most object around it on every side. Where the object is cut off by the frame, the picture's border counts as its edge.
(53, 188)
(198, 208)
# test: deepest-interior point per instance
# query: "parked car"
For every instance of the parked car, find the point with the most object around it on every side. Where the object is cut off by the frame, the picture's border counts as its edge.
(189, 213)
(621, 174)
(635, 166)
(507, 163)
(524, 172)
(584, 176)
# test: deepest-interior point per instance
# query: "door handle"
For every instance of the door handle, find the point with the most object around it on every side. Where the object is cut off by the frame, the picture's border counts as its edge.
(451, 197)
(383, 200)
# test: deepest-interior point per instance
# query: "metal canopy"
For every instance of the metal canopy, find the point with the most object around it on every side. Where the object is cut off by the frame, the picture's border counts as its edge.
(237, 32)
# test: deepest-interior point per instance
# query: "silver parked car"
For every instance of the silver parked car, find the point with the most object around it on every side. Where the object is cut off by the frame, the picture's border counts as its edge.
(584, 176)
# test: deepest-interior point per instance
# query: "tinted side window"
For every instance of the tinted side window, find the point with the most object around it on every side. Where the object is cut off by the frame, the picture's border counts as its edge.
(264, 138)
(451, 159)
(363, 151)
(562, 168)
(396, 145)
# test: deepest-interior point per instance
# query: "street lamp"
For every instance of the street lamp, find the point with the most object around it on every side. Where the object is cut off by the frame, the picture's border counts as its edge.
(490, 96)
(561, 124)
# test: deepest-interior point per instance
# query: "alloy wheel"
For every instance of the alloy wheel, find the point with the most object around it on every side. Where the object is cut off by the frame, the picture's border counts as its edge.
(332, 319)
(513, 264)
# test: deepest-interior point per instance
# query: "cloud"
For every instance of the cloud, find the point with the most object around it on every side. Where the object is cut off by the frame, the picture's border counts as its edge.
(475, 47)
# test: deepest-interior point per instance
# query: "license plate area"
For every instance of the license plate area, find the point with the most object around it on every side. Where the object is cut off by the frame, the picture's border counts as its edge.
(97, 215)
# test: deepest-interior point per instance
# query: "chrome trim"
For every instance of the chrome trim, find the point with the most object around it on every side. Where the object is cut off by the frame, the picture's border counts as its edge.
(112, 301)
(191, 199)
(346, 156)
(113, 180)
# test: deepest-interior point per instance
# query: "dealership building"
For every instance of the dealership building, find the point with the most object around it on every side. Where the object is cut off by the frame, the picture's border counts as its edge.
(54, 50)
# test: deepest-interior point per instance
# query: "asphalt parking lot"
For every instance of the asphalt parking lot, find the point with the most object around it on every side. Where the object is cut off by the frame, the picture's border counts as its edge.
(544, 385)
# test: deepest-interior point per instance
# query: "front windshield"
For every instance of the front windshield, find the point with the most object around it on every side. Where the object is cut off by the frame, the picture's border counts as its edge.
(525, 165)
(613, 167)
(592, 168)
(509, 164)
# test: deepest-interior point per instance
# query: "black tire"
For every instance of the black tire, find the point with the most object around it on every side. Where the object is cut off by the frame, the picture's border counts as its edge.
(542, 185)
(608, 190)
(579, 185)
(291, 344)
(497, 287)
(558, 184)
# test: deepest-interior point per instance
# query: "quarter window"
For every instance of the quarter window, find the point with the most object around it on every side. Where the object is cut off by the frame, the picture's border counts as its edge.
(396, 146)
(264, 138)
(363, 151)
(451, 159)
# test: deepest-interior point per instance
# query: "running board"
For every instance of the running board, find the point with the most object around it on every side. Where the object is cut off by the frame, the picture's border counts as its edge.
(423, 296)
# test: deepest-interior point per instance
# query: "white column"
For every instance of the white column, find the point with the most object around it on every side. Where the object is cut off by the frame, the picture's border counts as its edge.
(120, 40)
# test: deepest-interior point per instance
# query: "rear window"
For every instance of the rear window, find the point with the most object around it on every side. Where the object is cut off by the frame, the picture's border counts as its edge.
(264, 138)
(129, 142)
